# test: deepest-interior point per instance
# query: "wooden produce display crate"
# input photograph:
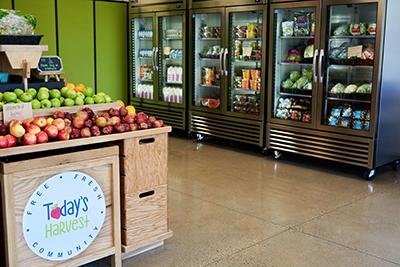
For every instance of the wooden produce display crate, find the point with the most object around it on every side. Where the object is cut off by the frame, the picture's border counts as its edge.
(144, 170)
(22, 175)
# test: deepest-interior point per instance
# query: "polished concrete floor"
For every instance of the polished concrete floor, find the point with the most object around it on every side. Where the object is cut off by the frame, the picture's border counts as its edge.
(234, 207)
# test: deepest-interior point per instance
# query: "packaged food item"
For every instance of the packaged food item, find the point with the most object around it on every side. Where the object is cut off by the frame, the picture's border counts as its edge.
(287, 28)
(358, 125)
(358, 114)
(309, 52)
(347, 112)
(14, 22)
(350, 89)
(336, 112)
(366, 126)
(345, 122)
(255, 74)
(251, 30)
(307, 117)
(254, 85)
(368, 52)
(368, 115)
(301, 24)
(358, 29)
(312, 23)
(240, 31)
(371, 28)
(341, 30)
(245, 83)
(238, 49)
(238, 82)
(246, 74)
(294, 56)
(333, 121)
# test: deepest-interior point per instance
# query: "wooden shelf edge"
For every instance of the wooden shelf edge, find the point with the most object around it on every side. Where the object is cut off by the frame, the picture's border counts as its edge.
(6, 152)
(135, 248)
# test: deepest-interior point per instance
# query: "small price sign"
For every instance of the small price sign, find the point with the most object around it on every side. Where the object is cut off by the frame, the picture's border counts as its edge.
(50, 66)
(20, 111)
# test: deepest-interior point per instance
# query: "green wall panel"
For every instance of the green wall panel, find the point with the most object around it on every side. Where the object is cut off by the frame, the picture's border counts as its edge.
(6, 4)
(76, 40)
(44, 10)
(111, 49)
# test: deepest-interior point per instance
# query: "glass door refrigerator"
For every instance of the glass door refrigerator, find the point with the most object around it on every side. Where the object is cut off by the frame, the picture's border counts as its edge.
(346, 59)
(158, 84)
(226, 75)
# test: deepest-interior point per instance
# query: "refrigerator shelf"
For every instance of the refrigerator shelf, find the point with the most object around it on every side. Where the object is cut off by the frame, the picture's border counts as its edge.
(173, 39)
(348, 100)
(208, 59)
(241, 91)
(146, 81)
(353, 37)
(210, 86)
(248, 39)
(145, 39)
(295, 95)
(247, 61)
(295, 64)
(210, 39)
(172, 83)
(298, 37)
(338, 66)
(145, 58)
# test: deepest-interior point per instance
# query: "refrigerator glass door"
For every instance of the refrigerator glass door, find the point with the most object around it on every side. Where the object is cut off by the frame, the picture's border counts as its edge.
(243, 69)
(208, 56)
(143, 58)
(348, 71)
(294, 64)
(170, 57)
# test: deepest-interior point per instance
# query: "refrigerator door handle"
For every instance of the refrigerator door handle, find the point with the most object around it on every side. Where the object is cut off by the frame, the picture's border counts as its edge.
(156, 58)
(225, 64)
(152, 58)
(221, 54)
(321, 56)
(315, 66)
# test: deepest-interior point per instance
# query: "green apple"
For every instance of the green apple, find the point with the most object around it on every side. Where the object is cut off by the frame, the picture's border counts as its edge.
(107, 99)
(81, 95)
(36, 104)
(101, 93)
(1, 96)
(55, 93)
(32, 92)
(88, 92)
(19, 101)
(18, 92)
(69, 102)
(79, 101)
(70, 94)
(10, 97)
(26, 97)
(43, 89)
(55, 103)
(1, 106)
(89, 100)
(64, 90)
(43, 95)
(99, 99)
(45, 103)
(62, 100)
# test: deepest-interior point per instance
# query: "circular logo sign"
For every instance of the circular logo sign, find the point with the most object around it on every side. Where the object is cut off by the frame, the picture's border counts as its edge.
(63, 216)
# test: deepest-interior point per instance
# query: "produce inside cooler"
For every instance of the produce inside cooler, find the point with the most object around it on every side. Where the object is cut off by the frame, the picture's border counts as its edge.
(247, 50)
(207, 52)
(348, 116)
(248, 79)
(298, 22)
(296, 109)
(249, 104)
(298, 82)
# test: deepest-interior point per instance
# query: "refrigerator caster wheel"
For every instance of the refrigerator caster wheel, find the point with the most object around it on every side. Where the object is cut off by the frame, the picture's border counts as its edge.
(200, 137)
(369, 175)
(277, 155)
(396, 165)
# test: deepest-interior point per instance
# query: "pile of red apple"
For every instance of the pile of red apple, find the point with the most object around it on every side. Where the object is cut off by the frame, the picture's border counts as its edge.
(63, 126)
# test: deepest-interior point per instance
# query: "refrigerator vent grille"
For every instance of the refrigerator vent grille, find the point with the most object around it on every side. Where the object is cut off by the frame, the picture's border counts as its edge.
(333, 147)
(230, 128)
(172, 117)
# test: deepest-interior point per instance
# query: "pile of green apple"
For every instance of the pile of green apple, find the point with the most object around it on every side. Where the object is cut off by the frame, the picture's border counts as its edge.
(53, 98)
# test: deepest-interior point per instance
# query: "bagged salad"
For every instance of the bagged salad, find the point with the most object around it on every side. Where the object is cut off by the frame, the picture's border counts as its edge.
(14, 22)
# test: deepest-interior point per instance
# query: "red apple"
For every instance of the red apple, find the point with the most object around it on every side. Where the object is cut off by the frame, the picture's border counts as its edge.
(156, 124)
(11, 140)
(143, 125)
(51, 131)
(3, 129)
(76, 133)
(127, 127)
(115, 120)
(88, 123)
(119, 128)
(78, 122)
(59, 123)
(63, 135)
(95, 130)
(107, 130)
(106, 115)
(59, 114)
(27, 122)
(42, 137)
(29, 139)
(40, 121)
(152, 119)
(89, 111)
(129, 119)
(101, 122)
(68, 129)
(133, 126)
(33, 129)
(123, 111)
(69, 116)
(113, 112)
(67, 122)
(17, 130)
(141, 117)
(85, 132)
(13, 123)
(161, 122)
(82, 114)
(3, 142)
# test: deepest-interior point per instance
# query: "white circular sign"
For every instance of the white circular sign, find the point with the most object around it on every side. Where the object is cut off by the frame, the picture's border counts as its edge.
(63, 216)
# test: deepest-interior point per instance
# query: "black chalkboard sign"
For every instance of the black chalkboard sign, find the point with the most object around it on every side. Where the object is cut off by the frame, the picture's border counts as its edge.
(50, 64)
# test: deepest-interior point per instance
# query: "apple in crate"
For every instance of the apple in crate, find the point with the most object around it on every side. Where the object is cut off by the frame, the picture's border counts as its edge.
(82, 114)
(29, 139)
(27, 122)
(63, 135)
(78, 122)
(85, 132)
(16, 129)
(123, 111)
(95, 130)
(76, 133)
(129, 119)
(11, 140)
(51, 131)
(115, 120)
(40, 121)
(3, 142)
(34, 129)
(59, 123)
(42, 137)
(101, 122)
(59, 114)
